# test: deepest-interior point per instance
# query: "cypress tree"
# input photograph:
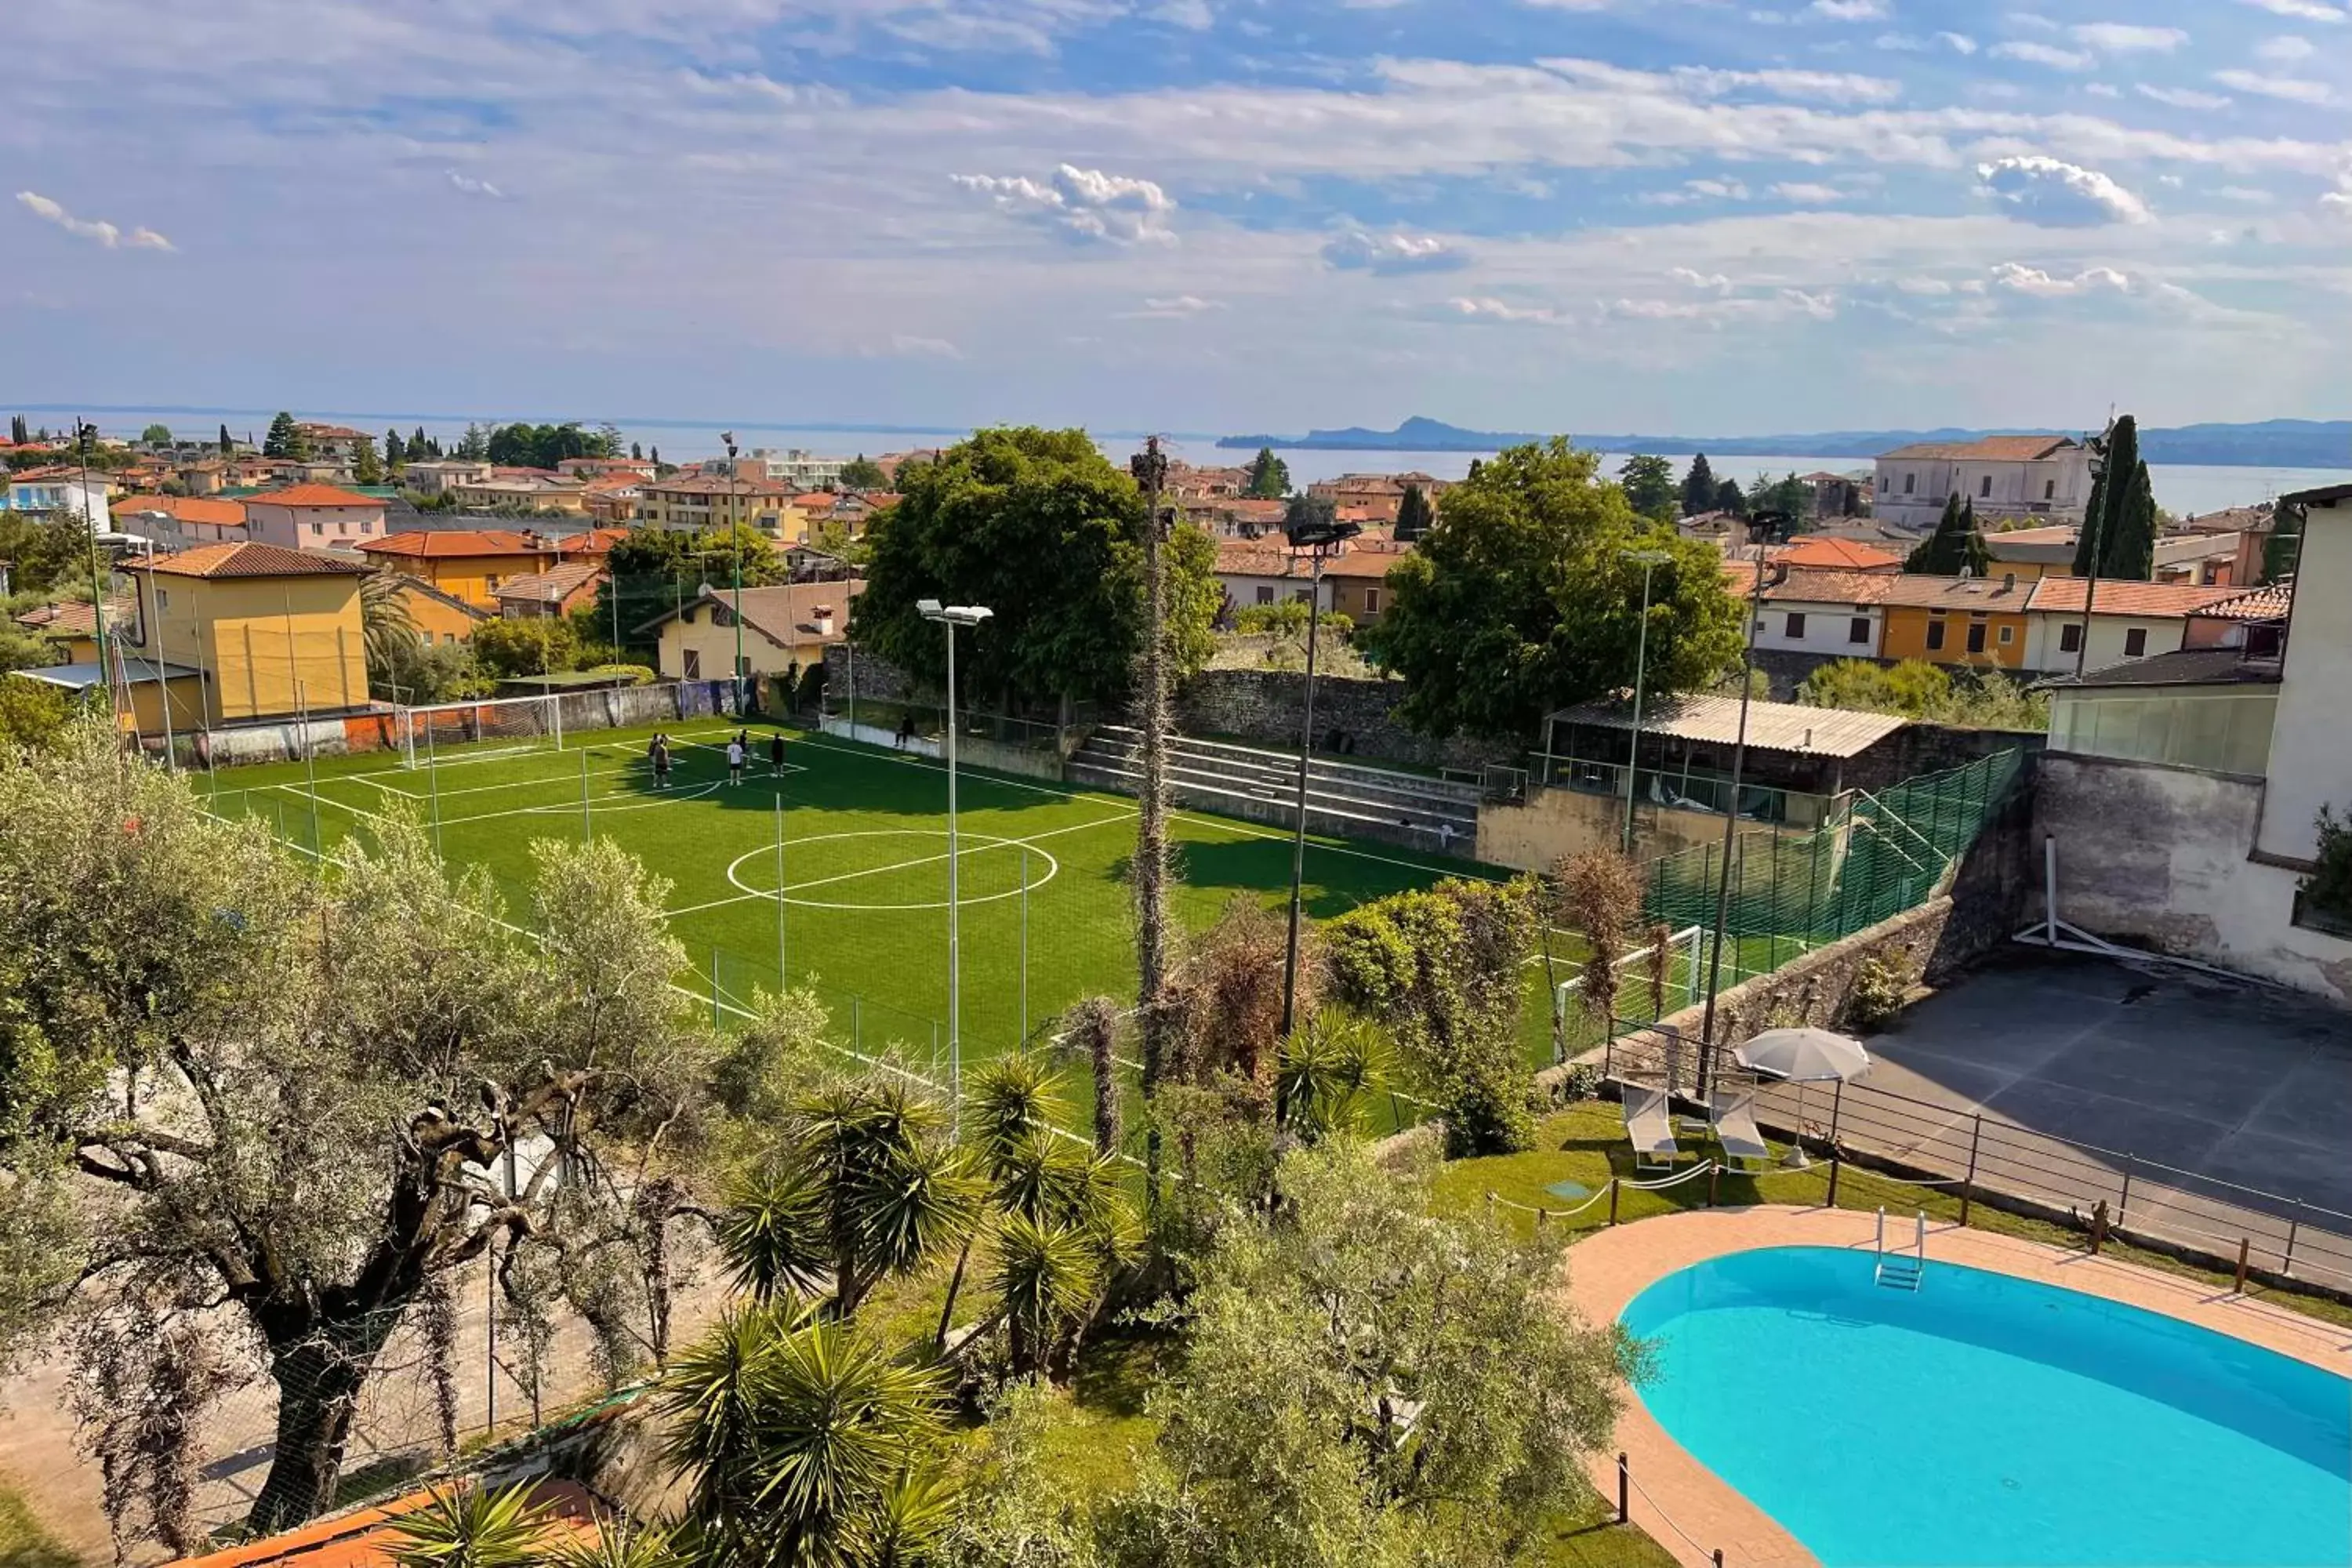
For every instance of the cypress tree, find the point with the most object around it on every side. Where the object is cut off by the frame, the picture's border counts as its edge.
(1698, 487)
(2086, 542)
(226, 445)
(1414, 515)
(1730, 498)
(283, 438)
(2127, 544)
(396, 450)
(1956, 545)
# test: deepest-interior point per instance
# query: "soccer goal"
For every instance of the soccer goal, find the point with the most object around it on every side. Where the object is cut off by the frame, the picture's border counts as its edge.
(511, 724)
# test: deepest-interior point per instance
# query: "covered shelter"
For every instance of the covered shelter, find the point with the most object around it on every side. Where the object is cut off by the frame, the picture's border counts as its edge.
(1797, 755)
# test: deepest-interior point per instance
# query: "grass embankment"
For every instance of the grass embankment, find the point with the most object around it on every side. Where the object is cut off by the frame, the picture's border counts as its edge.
(1586, 1144)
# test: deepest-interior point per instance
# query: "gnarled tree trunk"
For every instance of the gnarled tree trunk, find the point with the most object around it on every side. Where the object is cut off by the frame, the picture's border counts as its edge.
(320, 1373)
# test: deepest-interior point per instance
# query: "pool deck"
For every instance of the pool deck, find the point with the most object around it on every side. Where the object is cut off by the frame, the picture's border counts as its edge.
(1692, 1513)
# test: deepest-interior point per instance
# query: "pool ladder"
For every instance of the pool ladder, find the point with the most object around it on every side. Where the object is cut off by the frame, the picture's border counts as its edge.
(1902, 1268)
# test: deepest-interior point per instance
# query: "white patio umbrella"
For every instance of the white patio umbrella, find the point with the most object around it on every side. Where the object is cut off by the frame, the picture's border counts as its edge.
(1802, 1057)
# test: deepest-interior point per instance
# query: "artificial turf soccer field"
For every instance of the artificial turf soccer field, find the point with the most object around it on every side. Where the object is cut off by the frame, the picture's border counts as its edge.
(863, 863)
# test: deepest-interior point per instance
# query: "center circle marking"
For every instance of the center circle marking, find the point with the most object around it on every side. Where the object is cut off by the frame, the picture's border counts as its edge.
(983, 841)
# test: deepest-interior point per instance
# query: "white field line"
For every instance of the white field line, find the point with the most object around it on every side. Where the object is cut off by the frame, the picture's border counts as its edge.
(1030, 841)
(1223, 823)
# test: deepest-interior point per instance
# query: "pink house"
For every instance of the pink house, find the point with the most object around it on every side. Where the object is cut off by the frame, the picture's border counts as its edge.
(313, 517)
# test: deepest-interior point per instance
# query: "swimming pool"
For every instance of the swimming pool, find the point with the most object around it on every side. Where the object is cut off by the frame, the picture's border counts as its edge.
(1990, 1420)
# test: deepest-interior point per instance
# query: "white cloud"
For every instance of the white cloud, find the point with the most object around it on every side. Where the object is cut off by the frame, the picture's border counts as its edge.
(2049, 55)
(2127, 37)
(2021, 279)
(905, 345)
(1388, 254)
(472, 187)
(1487, 309)
(2338, 202)
(1807, 194)
(1691, 191)
(1709, 283)
(1929, 288)
(1821, 306)
(2058, 194)
(2182, 97)
(1174, 307)
(2252, 195)
(1848, 10)
(2295, 90)
(1087, 205)
(1193, 14)
(2301, 10)
(2284, 48)
(105, 233)
(1959, 43)
(2102, 89)
(1826, 87)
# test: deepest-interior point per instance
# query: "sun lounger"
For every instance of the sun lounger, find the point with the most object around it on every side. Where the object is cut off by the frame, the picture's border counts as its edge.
(1650, 1127)
(1735, 1123)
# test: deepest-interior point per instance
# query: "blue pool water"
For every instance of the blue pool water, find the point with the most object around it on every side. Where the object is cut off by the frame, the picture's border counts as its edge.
(1989, 1420)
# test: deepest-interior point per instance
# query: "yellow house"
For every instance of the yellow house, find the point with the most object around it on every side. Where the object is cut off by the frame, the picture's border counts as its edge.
(243, 633)
(438, 617)
(468, 563)
(73, 626)
(781, 627)
(698, 502)
(1972, 621)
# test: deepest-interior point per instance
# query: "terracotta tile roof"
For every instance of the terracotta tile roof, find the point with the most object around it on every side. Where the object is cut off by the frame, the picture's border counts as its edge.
(2153, 600)
(249, 560)
(1809, 554)
(1275, 558)
(785, 615)
(551, 586)
(74, 618)
(1991, 448)
(314, 495)
(364, 1538)
(597, 541)
(187, 508)
(1903, 588)
(441, 543)
(2269, 603)
(718, 485)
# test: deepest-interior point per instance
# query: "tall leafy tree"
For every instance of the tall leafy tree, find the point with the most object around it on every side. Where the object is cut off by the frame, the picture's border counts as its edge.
(1521, 601)
(1414, 514)
(636, 452)
(1699, 487)
(418, 447)
(367, 469)
(282, 1110)
(284, 439)
(1730, 498)
(475, 444)
(2127, 535)
(863, 473)
(1038, 526)
(18, 435)
(1650, 487)
(396, 450)
(156, 435)
(1269, 476)
(1956, 545)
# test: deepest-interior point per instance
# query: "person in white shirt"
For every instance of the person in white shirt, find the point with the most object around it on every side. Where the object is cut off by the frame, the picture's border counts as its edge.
(735, 762)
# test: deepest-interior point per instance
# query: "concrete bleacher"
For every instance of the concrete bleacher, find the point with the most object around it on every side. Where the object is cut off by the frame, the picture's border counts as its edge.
(1349, 799)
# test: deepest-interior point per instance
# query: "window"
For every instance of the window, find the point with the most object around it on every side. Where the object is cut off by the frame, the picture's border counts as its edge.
(2136, 643)
(743, 668)
(1908, 480)
(316, 529)
(2007, 635)
(1935, 636)
(1796, 624)
(1857, 630)
(694, 663)
(2049, 489)
(1264, 595)
(1984, 487)
(367, 525)
(1976, 636)
(1303, 596)
(2070, 638)
(1371, 601)
(163, 601)
(491, 584)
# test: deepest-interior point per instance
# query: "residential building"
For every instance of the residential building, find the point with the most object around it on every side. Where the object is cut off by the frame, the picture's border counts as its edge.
(2002, 476)
(313, 517)
(796, 468)
(176, 522)
(73, 624)
(2202, 560)
(1820, 552)
(1187, 483)
(1833, 495)
(558, 590)
(695, 501)
(431, 476)
(1830, 615)
(611, 497)
(783, 627)
(205, 477)
(2311, 753)
(2034, 552)
(338, 444)
(63, 488)
(262, 631)
(1268, 571)
(1978, 622)
(2128, 620)
(1726, 530)
(2255, 620)
(468, 564)
(1236, 517)
(594, 467)
(538, 493)
(438, 615)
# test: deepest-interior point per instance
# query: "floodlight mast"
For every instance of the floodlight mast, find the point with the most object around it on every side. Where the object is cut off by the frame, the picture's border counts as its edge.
(952, 617)
(1321, 538)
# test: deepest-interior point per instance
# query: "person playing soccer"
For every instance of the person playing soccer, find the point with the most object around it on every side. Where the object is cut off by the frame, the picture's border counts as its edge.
(659, 755)
(735, 761)
(776, 753)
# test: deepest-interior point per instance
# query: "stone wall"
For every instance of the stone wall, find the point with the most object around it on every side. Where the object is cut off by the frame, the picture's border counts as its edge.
(874, 676)
(1267, 707)
(2157, 857)
(1552, 822)
(1920, 748)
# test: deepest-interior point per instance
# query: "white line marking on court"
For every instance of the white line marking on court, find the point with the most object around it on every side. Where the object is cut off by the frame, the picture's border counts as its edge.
(990, 841)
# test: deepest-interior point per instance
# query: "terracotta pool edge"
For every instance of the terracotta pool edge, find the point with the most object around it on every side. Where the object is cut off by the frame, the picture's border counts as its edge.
(1692, 1512)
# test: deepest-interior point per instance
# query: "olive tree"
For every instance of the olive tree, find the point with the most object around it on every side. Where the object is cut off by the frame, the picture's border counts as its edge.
(284, 1107)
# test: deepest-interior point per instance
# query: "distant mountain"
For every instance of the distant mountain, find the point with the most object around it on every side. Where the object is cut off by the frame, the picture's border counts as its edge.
(2272, 444)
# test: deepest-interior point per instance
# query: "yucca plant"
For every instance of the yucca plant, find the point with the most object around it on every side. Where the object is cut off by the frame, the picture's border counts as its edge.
(773, 1230)
(1324, 1074)
(621, 1545)
(1049, 1278)
(473, 1527)
(1011, 1101)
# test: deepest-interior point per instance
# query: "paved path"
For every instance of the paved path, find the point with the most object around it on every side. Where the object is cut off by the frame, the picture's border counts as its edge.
(1691, 1512)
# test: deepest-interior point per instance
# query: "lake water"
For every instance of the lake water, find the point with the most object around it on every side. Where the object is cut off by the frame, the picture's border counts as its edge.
(2179, 489)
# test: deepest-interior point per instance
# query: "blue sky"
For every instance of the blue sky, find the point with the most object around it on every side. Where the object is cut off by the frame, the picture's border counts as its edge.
(1700, 215)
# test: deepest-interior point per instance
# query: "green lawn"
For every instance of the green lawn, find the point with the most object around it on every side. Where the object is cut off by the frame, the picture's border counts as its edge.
(23, 1543)
(1046, 910)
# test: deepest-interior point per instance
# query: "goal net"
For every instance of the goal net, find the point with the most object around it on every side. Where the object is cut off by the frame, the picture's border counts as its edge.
(507, 724)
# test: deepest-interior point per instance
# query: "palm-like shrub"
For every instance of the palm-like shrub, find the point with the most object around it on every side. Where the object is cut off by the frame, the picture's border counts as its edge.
(473, 1527)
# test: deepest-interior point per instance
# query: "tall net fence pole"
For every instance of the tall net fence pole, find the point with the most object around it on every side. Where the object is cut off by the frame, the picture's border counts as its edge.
(784, 961)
